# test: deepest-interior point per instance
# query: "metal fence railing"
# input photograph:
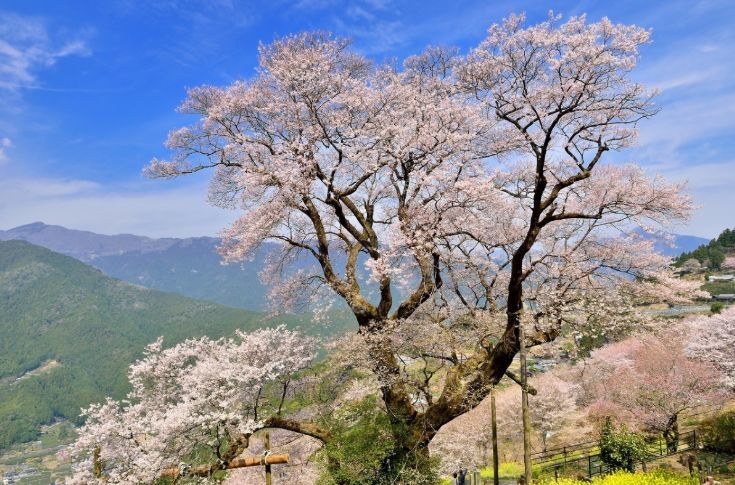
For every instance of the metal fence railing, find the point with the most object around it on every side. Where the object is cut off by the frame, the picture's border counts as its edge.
(586, 456)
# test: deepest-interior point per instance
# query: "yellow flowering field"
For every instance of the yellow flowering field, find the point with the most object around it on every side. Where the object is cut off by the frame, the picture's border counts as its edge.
(626, 478)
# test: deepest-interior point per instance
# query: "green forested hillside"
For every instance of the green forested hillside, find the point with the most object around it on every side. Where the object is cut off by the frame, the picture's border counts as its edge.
(712, 254)
(68, 334)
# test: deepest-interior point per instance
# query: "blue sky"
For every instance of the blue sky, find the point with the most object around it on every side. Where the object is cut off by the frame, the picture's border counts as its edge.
(88, 92)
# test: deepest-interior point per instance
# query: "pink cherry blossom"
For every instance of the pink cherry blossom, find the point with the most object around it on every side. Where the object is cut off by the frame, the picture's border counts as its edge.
(198, 394)
(474, 191)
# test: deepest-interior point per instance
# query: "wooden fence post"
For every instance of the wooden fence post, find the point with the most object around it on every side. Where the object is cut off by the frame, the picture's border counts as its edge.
(267, 449)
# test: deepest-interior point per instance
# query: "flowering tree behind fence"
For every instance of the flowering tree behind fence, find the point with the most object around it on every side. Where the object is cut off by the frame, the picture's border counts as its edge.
(649, 382)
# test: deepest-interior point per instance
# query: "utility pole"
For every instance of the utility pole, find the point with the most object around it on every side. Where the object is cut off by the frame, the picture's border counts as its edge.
(528, 472)
(494, 427)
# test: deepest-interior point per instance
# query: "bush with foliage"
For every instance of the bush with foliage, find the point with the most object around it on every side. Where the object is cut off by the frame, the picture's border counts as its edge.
(716, 307)
(718, 433)
(363, 450)
(628, 478)
(620, 449)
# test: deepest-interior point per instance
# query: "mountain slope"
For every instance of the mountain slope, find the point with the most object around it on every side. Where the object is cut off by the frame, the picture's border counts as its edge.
(712, 253)
(192, 267)
(678, 244)
(683, 243)
(189, 266)
(68, 333)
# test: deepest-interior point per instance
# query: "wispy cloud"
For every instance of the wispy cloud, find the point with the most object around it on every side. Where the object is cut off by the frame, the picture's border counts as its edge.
(152, 209)
(202, 27)
(693, 136)
(5, 143)
(26, 47)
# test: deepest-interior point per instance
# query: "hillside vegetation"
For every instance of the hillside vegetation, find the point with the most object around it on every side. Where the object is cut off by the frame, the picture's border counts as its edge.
(68, 334)
(712, 254)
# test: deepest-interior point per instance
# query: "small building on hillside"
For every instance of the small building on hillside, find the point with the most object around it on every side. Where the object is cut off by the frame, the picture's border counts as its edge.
(724, 277)
(725, 297)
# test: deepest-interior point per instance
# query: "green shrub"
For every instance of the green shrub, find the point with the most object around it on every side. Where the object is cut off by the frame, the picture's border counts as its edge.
(718, 433)
(716, 307)
(365, 449)
(620, 449)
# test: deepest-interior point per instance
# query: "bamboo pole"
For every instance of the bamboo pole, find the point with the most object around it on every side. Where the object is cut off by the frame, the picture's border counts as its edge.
(206, 470)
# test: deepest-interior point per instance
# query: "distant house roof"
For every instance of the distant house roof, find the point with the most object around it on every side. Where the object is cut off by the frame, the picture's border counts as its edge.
(726, 277)
(725, 296)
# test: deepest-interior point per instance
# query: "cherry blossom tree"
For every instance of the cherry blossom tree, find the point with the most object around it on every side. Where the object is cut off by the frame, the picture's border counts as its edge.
(469, 189)
(561, 93)
(713, 341)
(648, 382)
(552, 406)
(200, 398)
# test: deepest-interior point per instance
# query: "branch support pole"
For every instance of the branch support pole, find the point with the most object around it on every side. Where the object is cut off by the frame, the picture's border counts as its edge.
(267, 449)
(493, 417)
(206, 470)
(528, 472)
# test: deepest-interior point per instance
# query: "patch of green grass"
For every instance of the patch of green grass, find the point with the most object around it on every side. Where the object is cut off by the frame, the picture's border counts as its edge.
(719, 287)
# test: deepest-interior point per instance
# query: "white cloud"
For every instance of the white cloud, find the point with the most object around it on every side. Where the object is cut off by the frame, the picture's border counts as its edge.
(5, 143)
(155, 209)
(27, 47)
(711, 186)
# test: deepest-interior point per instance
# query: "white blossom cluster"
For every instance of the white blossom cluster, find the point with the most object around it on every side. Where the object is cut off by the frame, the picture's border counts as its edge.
(199, 394)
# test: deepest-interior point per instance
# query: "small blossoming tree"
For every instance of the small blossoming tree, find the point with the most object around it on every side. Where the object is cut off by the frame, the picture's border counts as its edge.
(649, 382)
(200, 398)
(713, 340)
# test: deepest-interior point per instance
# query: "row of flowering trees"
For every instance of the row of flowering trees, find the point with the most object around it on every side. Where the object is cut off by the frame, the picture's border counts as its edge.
(648, 382)
(445, 203)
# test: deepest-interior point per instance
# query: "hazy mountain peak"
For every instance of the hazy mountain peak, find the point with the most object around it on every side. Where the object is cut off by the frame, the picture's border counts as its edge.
(83, 245)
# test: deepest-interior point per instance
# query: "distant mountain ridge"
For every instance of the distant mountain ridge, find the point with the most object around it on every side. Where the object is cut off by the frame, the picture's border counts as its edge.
(85, 246)
(681, 243)
(188, 266)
